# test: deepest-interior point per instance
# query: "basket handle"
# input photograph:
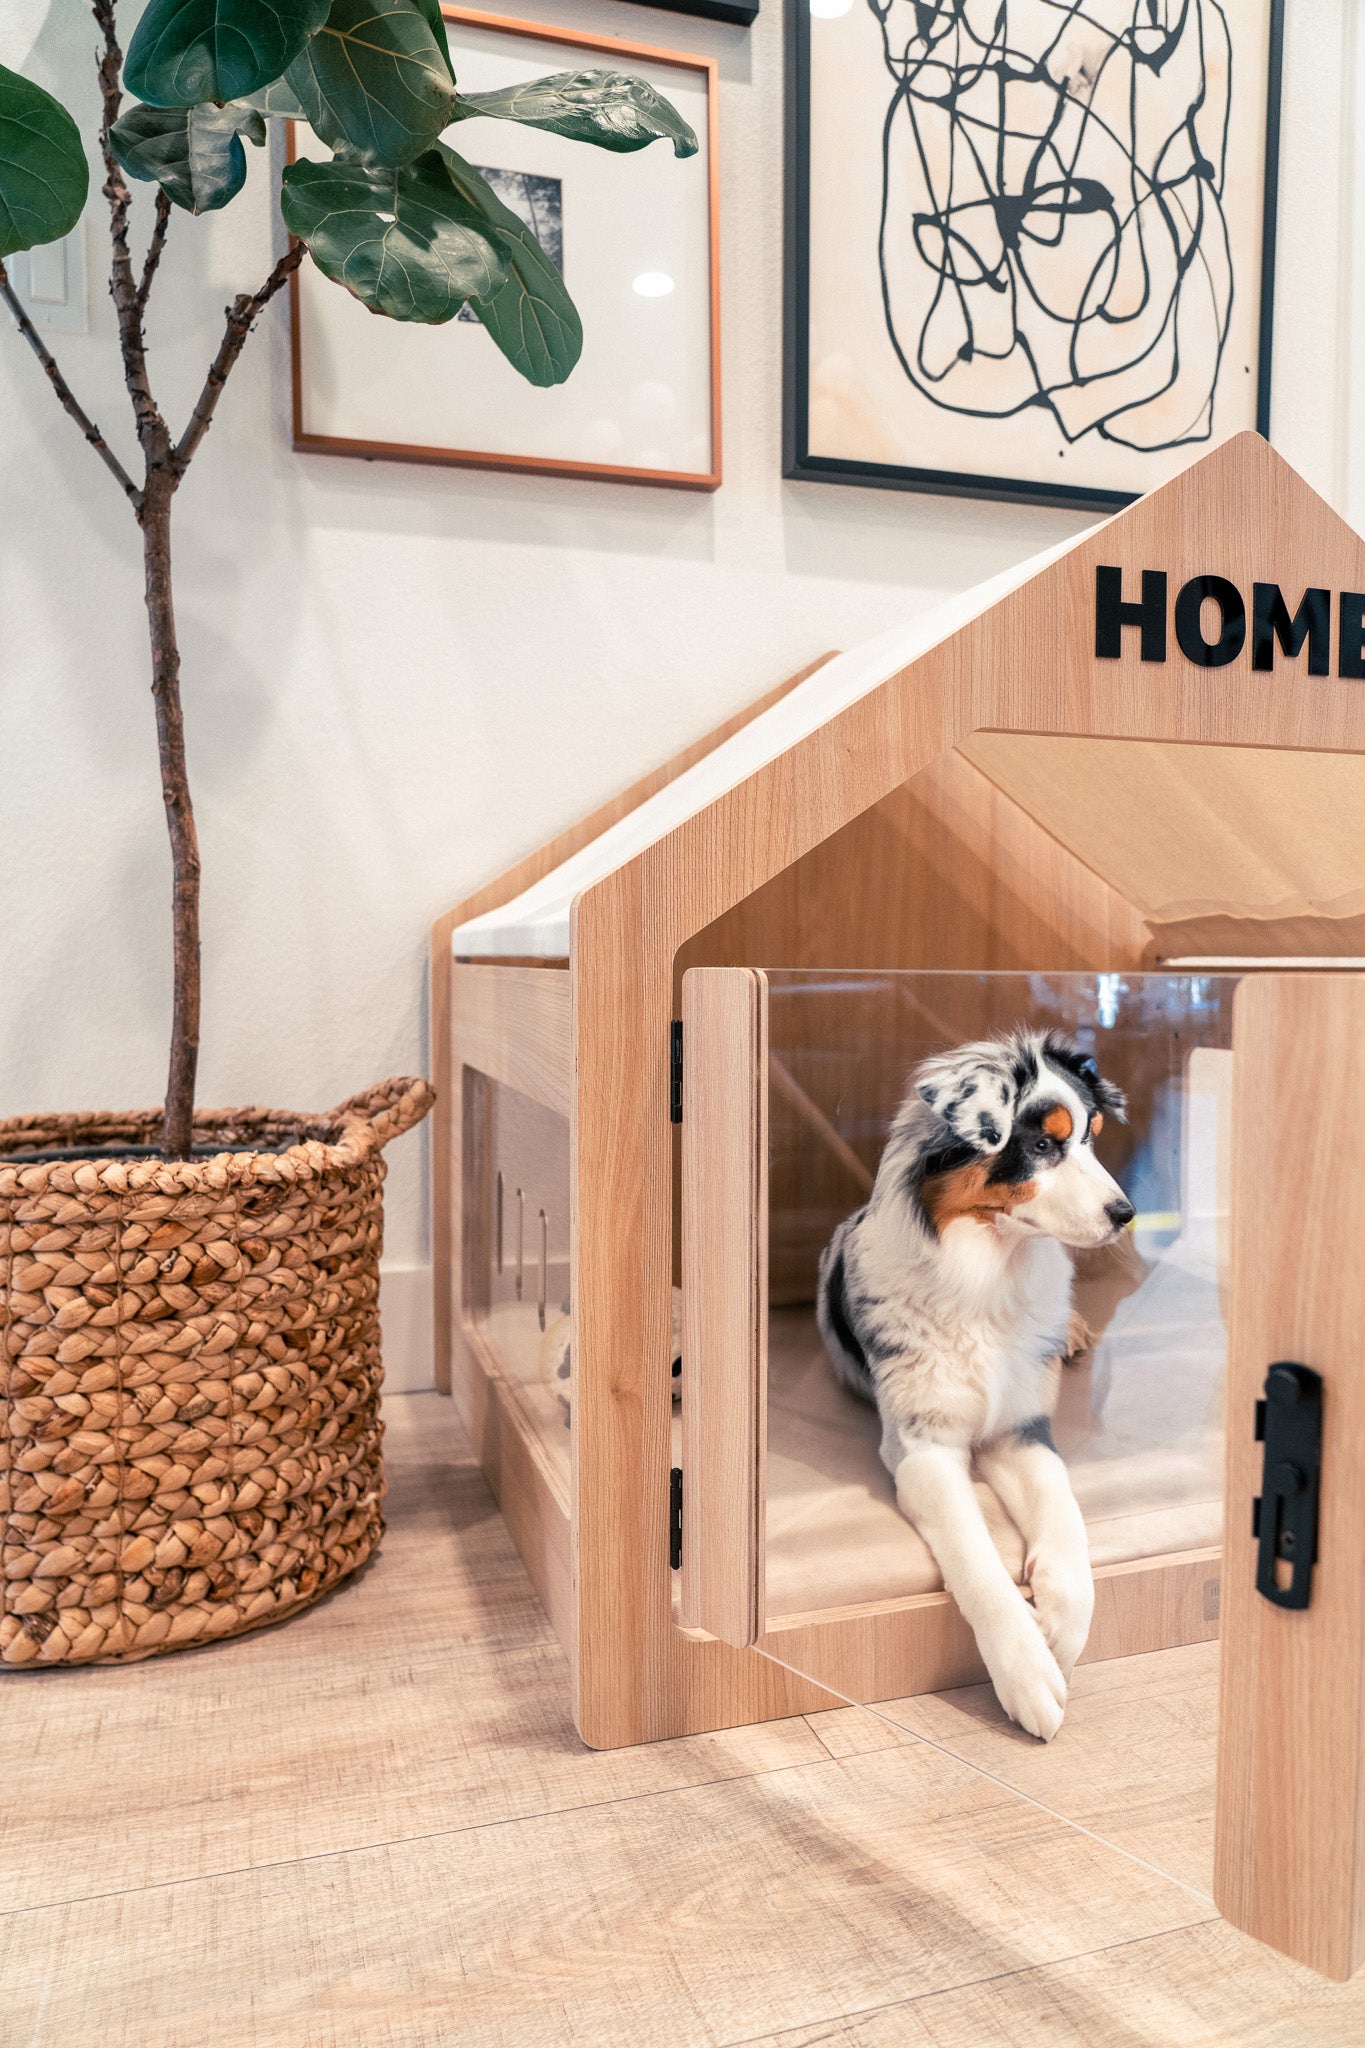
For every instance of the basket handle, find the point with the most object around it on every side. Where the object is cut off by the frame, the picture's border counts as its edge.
(389, 1108)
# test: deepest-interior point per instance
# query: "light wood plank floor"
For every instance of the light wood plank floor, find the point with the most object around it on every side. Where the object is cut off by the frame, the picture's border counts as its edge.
(376, 1825)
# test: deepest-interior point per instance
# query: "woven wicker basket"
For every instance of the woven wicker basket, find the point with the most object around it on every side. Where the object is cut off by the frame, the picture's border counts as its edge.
(190, 1433)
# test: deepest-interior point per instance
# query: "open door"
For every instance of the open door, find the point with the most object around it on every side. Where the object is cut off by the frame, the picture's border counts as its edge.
(792, 1539)
(1290, 1855)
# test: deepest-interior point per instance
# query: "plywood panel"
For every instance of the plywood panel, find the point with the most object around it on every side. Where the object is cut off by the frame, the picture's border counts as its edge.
(725, 1299)
(512, 1023)
(1291, 1782)
(1208, 843)
(947, 871)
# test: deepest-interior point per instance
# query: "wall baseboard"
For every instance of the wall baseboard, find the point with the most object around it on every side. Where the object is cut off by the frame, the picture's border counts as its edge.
(405, 1321)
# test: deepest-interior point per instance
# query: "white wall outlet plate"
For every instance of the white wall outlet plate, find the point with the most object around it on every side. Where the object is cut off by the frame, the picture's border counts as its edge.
(50, 282)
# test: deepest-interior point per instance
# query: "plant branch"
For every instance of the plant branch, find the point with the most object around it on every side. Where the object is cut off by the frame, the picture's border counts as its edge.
(154, 249)
(241, 314)
(151, 428)
(66, 395)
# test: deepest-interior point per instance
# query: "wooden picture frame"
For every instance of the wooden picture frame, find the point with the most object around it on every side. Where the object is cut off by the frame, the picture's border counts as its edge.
(803, 456)
(308, 306)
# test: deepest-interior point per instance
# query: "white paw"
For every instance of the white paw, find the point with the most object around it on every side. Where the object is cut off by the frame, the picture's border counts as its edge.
(1064, 1603)
(1024, 1672)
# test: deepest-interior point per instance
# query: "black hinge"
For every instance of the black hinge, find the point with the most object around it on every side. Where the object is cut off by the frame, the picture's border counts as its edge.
(675, 1518)
(1284, 1520)
(675, 1071)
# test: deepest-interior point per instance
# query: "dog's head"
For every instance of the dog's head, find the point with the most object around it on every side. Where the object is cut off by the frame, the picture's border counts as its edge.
(1012, 1140)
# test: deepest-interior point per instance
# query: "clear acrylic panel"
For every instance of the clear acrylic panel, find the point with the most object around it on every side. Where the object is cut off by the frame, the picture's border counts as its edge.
(1139, 1414)
(523, 1315)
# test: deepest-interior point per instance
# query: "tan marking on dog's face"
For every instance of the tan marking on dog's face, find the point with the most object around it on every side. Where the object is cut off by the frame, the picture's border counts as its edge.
(1057, 1123)
(1096, 1124)
(967, 1192)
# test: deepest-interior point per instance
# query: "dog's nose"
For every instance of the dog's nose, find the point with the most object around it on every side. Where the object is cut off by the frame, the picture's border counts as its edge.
(1120, 1212)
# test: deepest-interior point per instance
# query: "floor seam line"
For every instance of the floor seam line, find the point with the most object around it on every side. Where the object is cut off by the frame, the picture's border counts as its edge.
(1028, 1798)
(430, 1835)
(864, 2012)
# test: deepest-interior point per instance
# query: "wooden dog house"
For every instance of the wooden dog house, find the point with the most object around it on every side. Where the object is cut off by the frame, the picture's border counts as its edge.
(1140, 752)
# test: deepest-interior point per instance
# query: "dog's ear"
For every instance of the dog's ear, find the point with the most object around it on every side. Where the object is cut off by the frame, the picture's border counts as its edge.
(973, 1092)
(1065, 1053)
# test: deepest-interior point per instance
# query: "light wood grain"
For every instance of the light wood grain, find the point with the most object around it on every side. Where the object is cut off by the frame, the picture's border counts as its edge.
(512, 1023)
(963, 877)
(1200, 1987)
(696, 1916)
(429, 1695)
(374, 1827)
(725, 1300)
(892, 1648)
(1291, 1772)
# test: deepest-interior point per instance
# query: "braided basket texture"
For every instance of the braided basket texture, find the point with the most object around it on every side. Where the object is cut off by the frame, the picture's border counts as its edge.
(190, 1432)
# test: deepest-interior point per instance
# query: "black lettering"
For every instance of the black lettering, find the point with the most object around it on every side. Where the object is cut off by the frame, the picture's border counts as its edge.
(1112, 614)
(1270, 621)
(1189, 629)
(1351, 635)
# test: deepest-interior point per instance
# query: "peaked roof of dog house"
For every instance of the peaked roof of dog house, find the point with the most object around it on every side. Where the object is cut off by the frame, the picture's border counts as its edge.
(1276, 834)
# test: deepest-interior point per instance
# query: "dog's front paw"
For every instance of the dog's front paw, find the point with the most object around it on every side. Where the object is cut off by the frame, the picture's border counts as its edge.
(1024, 1672)
(1064, 1603)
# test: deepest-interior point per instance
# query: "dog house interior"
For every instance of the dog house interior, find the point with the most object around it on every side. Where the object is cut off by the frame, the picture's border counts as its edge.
(1074, 797)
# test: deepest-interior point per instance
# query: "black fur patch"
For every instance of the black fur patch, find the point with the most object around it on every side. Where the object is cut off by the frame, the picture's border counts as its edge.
(836, 1301)
(1038, 1431)
(1082, 1070)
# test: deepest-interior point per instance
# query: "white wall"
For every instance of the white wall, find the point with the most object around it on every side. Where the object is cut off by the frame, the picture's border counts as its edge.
(397, 679)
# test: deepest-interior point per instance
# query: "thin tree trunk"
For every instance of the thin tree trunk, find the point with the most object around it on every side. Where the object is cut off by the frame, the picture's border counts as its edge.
(175, 790)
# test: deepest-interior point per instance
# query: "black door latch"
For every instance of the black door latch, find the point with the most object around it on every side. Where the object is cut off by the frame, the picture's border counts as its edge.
(1285, 1518)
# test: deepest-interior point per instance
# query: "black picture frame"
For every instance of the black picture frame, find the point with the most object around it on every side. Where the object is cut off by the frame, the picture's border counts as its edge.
(739, 13)
(799, 465)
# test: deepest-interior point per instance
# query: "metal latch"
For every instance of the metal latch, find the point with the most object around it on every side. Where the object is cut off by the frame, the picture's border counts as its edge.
(675, 1057)
(1285, 1518)
(675, 1518)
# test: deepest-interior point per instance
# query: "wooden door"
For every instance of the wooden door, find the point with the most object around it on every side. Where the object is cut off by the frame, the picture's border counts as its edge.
(725, 1320)
(1290, 1846)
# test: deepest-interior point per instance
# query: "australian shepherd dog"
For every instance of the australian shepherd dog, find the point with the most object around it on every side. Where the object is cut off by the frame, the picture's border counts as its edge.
(947, 1302)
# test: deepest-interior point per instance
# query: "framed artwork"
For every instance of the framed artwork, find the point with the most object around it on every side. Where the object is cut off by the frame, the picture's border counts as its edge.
(740, 13)
(636, 240)
(1030, 243)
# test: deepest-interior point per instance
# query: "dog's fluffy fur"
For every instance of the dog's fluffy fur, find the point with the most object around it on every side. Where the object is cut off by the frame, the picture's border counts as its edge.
(947, 1300)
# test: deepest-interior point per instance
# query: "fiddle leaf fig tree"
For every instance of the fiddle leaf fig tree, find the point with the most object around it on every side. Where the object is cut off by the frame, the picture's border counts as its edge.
(393, 215)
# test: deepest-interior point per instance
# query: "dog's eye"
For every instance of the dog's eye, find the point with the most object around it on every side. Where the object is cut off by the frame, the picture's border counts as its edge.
(1042, 1146)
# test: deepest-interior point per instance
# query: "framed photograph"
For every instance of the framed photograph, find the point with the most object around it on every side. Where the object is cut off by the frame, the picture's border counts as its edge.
(1030, 243)
(635, 238)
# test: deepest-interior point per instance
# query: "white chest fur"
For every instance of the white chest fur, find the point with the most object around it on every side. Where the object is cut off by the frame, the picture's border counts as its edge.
(968, 1329)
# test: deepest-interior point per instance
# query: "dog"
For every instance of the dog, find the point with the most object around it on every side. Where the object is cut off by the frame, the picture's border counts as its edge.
(946, 1301)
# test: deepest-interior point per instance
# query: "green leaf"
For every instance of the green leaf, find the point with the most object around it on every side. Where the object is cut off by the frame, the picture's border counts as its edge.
(436, 22)
(406, 242)
(530, 316)
(373, 78)
(44, 176)
(277, 101)
(606, 107)
(186, 52)
(195, 154)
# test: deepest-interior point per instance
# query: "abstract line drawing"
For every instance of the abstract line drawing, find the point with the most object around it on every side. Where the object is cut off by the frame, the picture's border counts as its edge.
(1053, 230)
